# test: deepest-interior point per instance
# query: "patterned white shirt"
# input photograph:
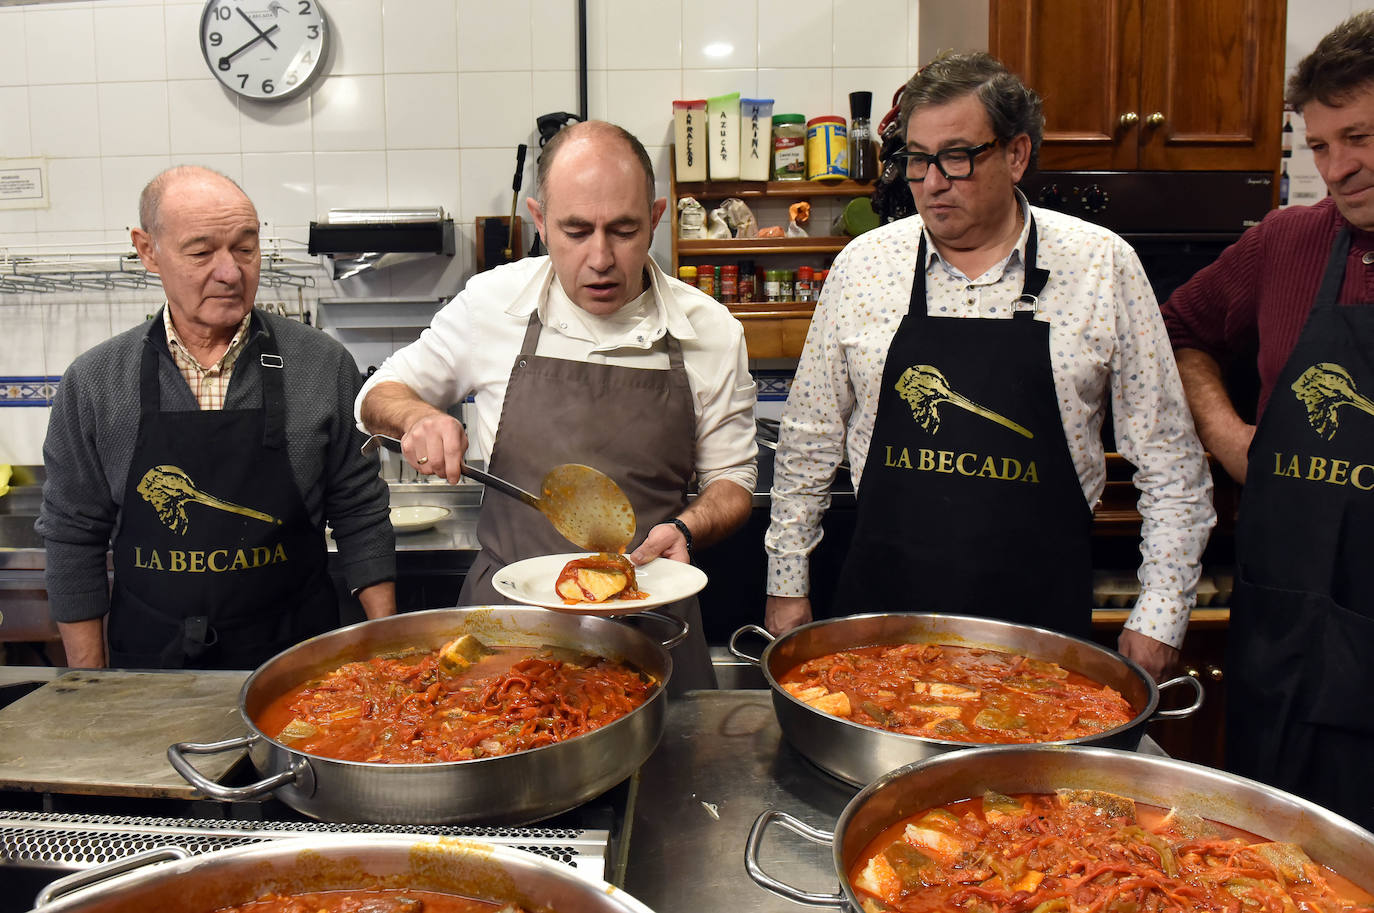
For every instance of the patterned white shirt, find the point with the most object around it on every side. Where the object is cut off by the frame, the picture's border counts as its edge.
(1106, 339)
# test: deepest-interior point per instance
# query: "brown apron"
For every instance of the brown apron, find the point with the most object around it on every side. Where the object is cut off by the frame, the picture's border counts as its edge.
(636, 425)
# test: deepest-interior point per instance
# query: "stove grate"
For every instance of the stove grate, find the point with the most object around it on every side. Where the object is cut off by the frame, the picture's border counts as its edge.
(76, 841)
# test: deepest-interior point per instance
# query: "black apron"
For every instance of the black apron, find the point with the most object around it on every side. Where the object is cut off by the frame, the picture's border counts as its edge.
(1300, 646)
(969, 501)
(561, 411)
(216, 562)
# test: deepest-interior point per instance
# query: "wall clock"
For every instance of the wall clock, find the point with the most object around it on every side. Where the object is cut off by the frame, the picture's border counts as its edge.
(266, 50)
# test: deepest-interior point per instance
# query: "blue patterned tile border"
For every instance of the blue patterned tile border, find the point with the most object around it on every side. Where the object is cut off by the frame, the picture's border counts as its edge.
(27, 391)
(773, 385)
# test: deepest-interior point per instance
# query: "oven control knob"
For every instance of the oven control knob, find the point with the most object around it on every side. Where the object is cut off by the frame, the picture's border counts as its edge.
(1050, 197)
(1095, 199)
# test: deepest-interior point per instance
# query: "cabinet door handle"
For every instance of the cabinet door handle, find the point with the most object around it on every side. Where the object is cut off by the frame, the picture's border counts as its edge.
(1155, 120)
(1129, 119)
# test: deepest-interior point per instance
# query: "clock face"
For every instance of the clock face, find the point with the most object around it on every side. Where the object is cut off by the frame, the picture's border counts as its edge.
(266, 50)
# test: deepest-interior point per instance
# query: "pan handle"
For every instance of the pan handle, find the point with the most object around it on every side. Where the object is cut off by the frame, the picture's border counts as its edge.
(782, 888)
(78, 880)
(1181, 713)
(680, 627)
(748, 629)
(298, 773)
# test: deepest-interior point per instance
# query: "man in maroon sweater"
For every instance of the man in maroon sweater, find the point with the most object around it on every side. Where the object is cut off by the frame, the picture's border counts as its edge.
(1300, 286)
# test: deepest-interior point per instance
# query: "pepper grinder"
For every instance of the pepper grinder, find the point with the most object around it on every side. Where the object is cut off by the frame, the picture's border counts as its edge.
(863, 152)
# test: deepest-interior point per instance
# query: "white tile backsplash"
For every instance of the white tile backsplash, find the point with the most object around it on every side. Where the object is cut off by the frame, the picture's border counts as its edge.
(795, 33)
(77, 195)
(282, 126)
(130, 43)
(495, 36)
(871, 31)
(349, 180)
(134, 118)
(797, 91)
(644, 35)
(356, 36)
(423, 177)
(14, 61)
(720, 34)
(181, 30)
(281, 185)
(14, 122)
(553, 35)
(64, 120)
(641, 101)
(348, 114)
(22, 430)
(420, 36)
(422, 111)
(61, 44)
(496, 109)
(202, 117)
(123, 179)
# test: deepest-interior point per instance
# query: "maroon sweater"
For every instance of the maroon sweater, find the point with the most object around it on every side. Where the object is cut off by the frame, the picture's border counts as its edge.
(1261, 289)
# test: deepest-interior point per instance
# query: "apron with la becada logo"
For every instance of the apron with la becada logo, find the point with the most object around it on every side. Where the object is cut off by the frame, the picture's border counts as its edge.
(1300, 644)
(637, 425)
(216, 562)
(969, 501)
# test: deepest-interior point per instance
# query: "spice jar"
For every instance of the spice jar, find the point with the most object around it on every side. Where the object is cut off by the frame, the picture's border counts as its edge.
(805, 276)
(706, 280)
(789, 147)
(729, 283)
(827, 149)
(687, 274)
(772, 285)
(787, 289)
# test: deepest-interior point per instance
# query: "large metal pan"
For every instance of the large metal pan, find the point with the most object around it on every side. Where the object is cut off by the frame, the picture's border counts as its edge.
(506, 789)
(1328, 838)
(860, 754)
(168, 879)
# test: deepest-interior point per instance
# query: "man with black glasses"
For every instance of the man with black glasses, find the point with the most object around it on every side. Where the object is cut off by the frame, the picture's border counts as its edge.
(965, 357)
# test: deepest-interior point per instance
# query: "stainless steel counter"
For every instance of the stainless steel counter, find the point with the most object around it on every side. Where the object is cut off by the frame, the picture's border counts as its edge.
(721, 762)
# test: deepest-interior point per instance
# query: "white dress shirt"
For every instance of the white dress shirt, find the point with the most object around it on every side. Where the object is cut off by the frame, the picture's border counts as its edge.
(1106, 339)
(472, 344)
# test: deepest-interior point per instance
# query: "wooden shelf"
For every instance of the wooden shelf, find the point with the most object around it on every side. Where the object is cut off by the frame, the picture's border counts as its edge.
(719, 190)
(745, 247)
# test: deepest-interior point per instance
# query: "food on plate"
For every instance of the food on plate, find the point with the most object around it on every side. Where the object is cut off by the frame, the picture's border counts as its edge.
(597, 578)
(378, 900)
(964, 694)
(1081, 850)
(464, 700)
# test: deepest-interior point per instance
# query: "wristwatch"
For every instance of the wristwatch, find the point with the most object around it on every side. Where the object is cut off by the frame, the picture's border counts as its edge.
(686, 533)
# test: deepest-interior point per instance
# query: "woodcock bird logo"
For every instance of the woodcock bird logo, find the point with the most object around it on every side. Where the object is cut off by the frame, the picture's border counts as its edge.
(169, 490)
(1323, 389)
(924, 388)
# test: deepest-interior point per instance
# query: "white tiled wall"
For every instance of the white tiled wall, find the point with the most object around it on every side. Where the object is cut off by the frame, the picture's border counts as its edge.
(423, 103)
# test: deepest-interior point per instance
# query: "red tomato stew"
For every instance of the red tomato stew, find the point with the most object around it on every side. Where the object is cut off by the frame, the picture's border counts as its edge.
(958, 693)
(463, 701)
(379, 900)
(1083, 851)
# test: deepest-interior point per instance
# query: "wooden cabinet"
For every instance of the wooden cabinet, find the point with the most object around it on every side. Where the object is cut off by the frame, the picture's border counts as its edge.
(1176, 85)
(771, 329)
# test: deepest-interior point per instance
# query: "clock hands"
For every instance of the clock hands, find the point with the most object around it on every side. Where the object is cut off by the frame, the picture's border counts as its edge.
(262, 36)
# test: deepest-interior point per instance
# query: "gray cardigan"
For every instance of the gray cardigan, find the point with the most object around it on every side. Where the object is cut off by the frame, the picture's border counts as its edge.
(94, 427)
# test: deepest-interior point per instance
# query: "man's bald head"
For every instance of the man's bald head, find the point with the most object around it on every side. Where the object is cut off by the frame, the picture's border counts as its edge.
(599, 133)
(150, 200)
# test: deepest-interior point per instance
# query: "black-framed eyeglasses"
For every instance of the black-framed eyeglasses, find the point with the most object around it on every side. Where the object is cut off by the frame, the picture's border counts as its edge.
(955, 163)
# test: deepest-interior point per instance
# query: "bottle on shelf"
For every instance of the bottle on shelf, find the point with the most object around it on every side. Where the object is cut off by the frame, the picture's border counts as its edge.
(863, 151)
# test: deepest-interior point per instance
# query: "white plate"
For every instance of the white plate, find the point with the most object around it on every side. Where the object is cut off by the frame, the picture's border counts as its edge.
(531, 582)
(416, 517)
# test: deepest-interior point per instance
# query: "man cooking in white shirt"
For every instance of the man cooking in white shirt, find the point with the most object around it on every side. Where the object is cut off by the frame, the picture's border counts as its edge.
(964, 358)
(590, 355)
